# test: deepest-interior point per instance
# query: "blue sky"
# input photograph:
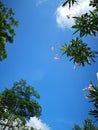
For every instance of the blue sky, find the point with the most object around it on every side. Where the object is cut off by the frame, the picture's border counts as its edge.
(30, 57)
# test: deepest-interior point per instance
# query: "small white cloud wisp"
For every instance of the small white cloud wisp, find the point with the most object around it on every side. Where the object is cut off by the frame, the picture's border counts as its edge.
(37, 123)
(39, 2)
(64, 14)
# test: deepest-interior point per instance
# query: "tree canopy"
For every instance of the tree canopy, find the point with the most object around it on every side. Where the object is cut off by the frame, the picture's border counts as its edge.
(92, 95)
(18, 104)
(79, 52)
(85, 24)
(7, 31)
(88, 125)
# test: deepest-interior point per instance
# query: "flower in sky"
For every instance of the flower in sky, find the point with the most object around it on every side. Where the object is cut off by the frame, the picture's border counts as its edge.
(85, 96)
(76, 65)
(97, 75)
(52, 48)
(89, 88)
(56, 57)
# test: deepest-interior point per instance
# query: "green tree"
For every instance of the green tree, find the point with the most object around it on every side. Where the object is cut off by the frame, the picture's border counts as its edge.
(7, 31)
(92, 95)
(79, 52)
(70, 2)
(93, 3)
(86, 24)
(88, 125)
(18, 104)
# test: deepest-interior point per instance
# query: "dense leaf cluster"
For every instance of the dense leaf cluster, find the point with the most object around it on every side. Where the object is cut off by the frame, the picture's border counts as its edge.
(93, 97)
(7, 32)
(88, 125)
(19, 104)
(70, 2)
(79, 52)
(86, 24)
(93, 3)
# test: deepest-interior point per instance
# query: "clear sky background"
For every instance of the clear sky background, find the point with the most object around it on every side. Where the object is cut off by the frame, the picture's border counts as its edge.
(41, 26)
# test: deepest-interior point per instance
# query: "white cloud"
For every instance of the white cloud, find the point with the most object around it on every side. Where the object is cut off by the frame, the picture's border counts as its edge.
(39, 2)
(97, 75)
(37, 123)
(64, 14)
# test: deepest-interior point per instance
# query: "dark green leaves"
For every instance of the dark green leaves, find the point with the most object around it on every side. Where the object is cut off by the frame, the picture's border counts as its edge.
(7, 32)
(94, 3)
(78, 51)
(70, 2)
(19, 102)
(88, 125)
(92, 94)
(76, 127)
(3, 53)
(86, 24)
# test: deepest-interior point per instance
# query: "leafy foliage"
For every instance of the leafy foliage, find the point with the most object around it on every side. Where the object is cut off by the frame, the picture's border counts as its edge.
(70, 2)
(93, 96)
(86, 24)
(12, 122)
(7, 32)
(88, 125)
(19, 104)
(79, 52)
(94, 3)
